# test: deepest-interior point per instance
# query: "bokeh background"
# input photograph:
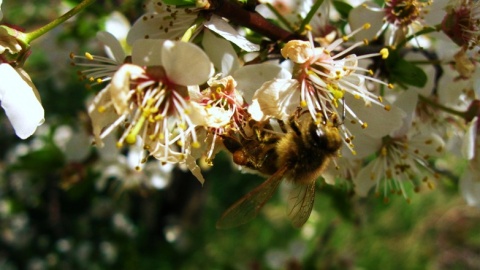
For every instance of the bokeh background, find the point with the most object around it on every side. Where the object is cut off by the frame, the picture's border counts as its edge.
(65, 204)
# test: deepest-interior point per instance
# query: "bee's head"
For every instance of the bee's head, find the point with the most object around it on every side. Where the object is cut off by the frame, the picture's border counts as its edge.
(325, 137)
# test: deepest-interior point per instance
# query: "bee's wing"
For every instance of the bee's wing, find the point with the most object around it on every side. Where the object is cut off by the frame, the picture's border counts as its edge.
(300, 203)
(249, 205)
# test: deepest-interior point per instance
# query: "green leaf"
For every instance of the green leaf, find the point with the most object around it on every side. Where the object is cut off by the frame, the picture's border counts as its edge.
(403, 72)
(179, 2)
(342, 8)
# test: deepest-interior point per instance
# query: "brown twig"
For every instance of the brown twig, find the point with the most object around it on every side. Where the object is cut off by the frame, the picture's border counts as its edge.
(251, 19)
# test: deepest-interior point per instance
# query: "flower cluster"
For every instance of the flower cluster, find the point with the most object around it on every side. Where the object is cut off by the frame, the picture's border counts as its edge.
(179, 99)
(187, 77)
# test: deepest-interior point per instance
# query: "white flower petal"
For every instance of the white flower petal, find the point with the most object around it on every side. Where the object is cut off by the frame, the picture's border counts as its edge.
(113, 47)
(361, 15)
(118, 25)
(100, 115)
(221, 27)
(406, 101)
(20, 103)
(160, 174)
(278, 98)
(364, 146)
(185, 63)
(213, 117)
(221, 53)
(250, 78)
(120, 86)
(147, 52)
(135, 154)
(468, 145)
(430, 144)
(380, 122)
(161, 24)
(194, 169)
(363, 182)
(470, 187)
(298, 51)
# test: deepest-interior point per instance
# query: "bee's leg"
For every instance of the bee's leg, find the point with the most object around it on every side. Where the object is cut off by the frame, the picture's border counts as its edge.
(231, 143)
(263, 136)
(292, 121)
(282, 125)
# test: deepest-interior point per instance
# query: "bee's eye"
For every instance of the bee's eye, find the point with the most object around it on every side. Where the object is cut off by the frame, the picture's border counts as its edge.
(317, 137)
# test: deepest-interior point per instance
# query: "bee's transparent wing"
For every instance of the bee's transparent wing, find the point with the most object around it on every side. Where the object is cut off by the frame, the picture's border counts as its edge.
(249, 205)
(300, 203)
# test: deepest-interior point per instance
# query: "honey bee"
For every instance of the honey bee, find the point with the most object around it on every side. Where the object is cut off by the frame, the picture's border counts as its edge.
(299, 156)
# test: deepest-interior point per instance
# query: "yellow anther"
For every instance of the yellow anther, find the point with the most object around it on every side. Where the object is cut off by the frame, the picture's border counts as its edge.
(365, 41)
(99, 80)
(380, 98)
(72, 55)
(387, 108)
(303, 104)
(131, 138)
(356, 96)
(384, 151)
(366, 26)
(196, 144)
(88, 56)
(345, 38)
(364, 125)
(384, 53)
(151, 119)
(101, 109)
(119, 145)
(390, 86)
